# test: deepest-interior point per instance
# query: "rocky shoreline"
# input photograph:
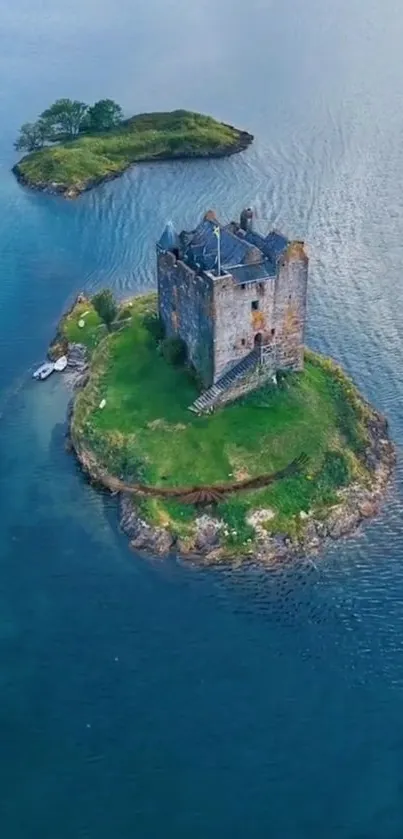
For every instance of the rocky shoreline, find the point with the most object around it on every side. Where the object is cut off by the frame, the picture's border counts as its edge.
(356, 503)
(65, 191)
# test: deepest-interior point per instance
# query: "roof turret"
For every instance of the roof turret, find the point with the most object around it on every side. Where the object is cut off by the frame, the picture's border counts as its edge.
(169, 239)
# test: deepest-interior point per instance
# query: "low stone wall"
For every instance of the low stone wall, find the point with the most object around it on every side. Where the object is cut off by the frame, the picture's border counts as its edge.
(253, 380)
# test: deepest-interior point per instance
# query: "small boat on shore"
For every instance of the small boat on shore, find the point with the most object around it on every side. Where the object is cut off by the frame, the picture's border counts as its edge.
(44, 371)
(61, 364)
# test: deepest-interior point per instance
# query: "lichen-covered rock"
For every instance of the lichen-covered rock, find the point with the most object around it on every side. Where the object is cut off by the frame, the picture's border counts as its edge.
(156, 540)
(129, 517)
(259, 519)
(216, 555)
(77, 371)
(341, 522)
(77, 355)
(58, 348)
(143, 536)
(207, 534)
(369, 508)
(312, 539)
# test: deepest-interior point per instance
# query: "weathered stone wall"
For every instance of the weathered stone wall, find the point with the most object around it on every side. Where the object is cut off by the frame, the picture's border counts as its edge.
(186, 309)
(251, 381)
(290, 307)
(220, 320)
(237, 323)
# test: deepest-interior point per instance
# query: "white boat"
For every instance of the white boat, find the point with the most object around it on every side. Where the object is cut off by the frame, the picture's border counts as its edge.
(61, 364)
(44, 371)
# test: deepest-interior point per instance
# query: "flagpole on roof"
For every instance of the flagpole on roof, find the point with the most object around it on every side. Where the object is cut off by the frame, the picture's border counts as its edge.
(217, 234)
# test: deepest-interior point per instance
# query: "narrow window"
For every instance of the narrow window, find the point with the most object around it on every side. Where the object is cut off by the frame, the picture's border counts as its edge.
(243, 286)
(289, 297)
(273, 332)
(243, 342)
(254, 305)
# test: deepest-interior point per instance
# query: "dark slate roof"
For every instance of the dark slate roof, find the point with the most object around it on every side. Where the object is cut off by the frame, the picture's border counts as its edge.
(276, 242)
(169, 238)
(233, 249)
(253, 273)
(255, 239)
(272, 245)
(199, 248)
(197, 257)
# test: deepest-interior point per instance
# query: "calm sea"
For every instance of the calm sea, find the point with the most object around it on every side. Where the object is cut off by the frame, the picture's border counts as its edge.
(152, 699)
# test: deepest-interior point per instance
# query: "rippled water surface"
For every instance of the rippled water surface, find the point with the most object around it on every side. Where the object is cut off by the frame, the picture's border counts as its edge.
(146, 699)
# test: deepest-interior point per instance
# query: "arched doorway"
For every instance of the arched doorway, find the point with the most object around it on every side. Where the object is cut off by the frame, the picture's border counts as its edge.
(258, 340)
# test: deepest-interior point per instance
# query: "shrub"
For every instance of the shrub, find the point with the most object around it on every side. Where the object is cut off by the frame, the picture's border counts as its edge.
(174, 350)
(283, 378)
(105, 305)
(335, 472)
(104, 115)
(125, 311)
(154, 325)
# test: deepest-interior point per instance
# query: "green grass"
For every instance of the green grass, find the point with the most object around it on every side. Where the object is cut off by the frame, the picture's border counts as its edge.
(75, 164)
(93, 330)
(145, 432)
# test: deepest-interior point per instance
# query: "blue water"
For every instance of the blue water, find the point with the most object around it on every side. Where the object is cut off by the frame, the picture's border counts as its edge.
(151, 698)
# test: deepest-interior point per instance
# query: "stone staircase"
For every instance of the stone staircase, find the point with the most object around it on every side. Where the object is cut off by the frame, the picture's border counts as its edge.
(209, 397)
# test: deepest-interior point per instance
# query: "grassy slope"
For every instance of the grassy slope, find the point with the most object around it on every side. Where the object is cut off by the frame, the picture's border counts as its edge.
(93, 330)
(146, 432)
(143, 137)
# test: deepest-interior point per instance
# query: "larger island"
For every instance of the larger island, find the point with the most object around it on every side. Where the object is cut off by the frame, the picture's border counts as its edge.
(273, 475)
(73, 156)
(200, 406)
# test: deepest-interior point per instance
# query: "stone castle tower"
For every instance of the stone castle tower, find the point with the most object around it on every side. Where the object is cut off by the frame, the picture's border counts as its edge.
(237, 299)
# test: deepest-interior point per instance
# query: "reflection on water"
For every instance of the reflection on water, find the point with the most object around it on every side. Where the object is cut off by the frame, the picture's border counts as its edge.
(154, 698)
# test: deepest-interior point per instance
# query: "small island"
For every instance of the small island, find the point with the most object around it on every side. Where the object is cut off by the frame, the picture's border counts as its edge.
(258, 464)
(73, 147)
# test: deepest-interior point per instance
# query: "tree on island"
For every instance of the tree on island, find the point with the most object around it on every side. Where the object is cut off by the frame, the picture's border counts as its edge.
(103, 116)
(105, 305)
(32, 136)
(64, 118)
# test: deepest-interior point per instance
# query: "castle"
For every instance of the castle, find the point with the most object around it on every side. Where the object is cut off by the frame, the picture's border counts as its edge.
(237, 299)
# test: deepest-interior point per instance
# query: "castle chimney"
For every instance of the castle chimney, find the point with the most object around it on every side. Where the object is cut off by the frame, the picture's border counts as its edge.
(246, 220)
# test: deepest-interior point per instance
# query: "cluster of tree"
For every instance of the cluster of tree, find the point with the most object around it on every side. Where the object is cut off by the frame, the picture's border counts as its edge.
(65, 120)
(106, 306)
